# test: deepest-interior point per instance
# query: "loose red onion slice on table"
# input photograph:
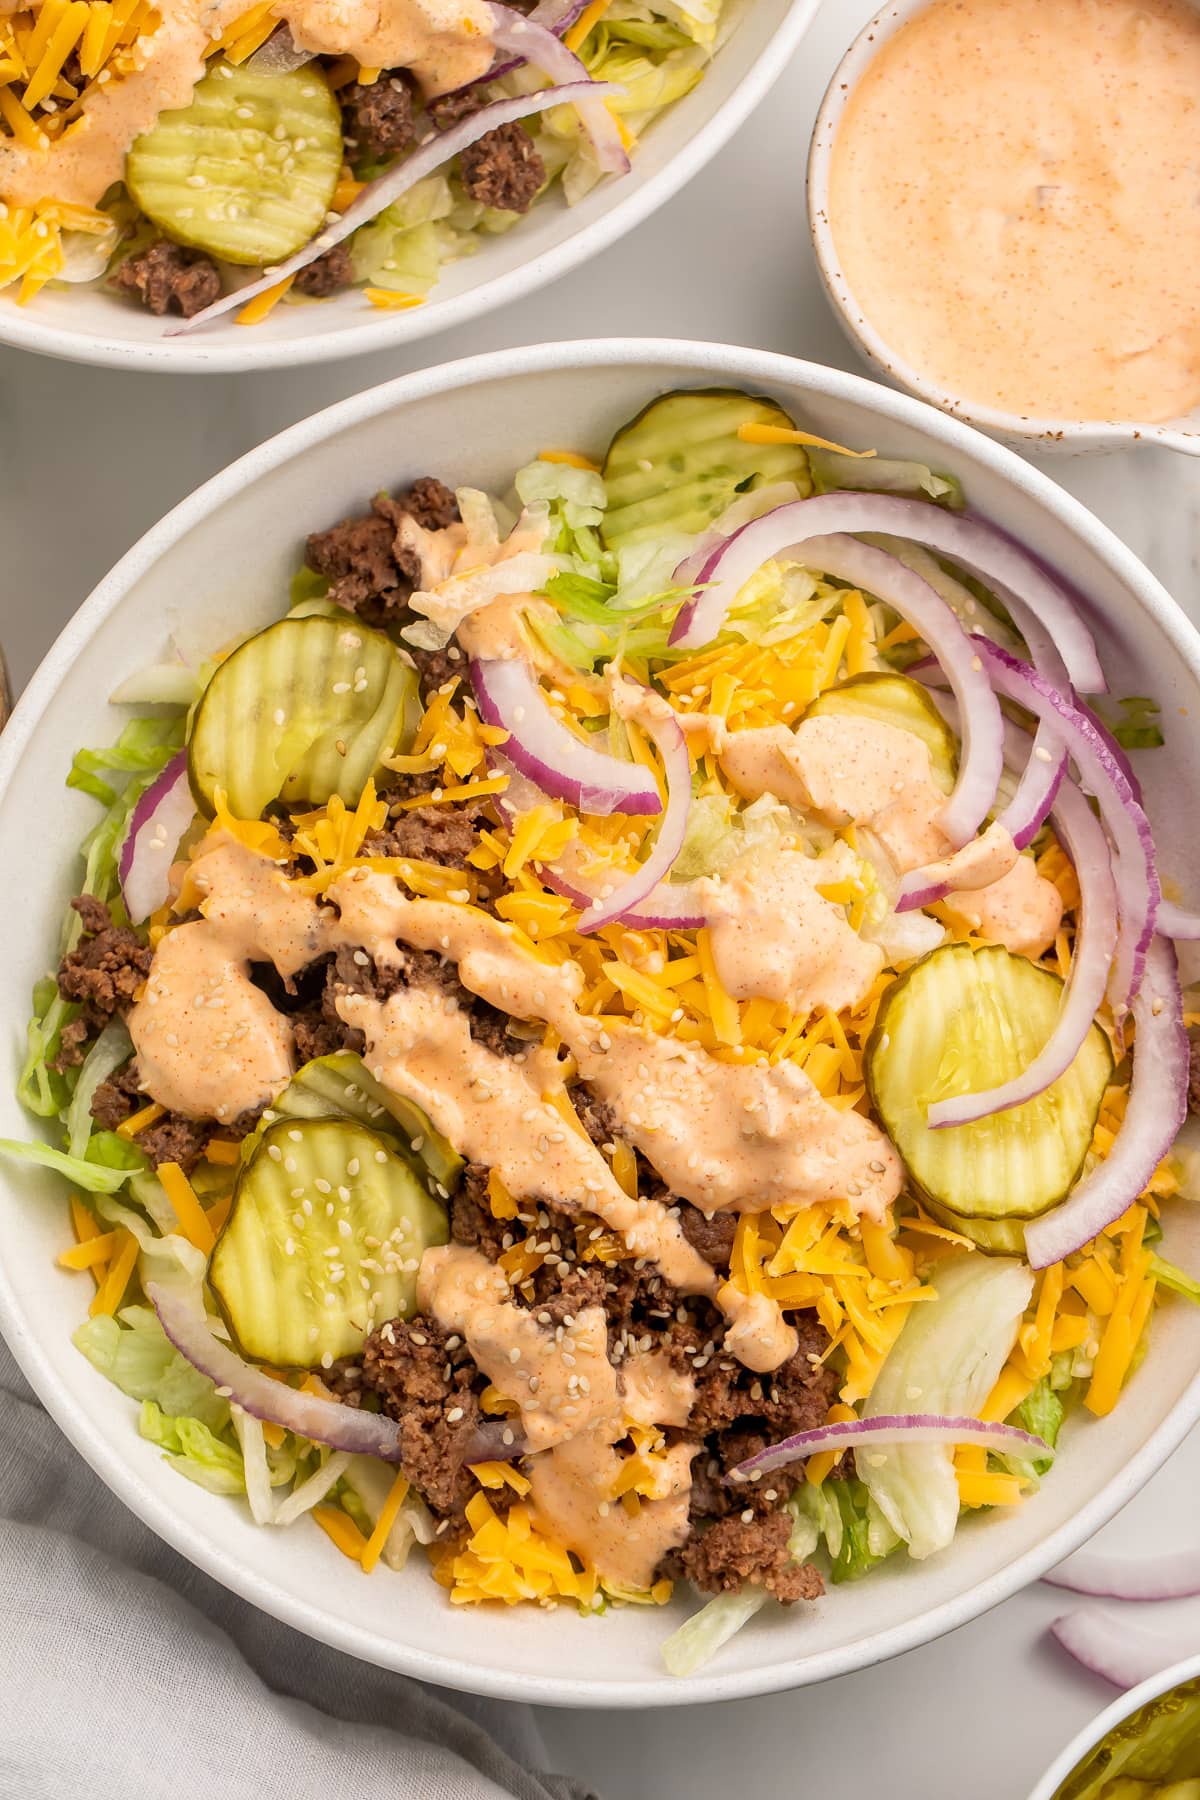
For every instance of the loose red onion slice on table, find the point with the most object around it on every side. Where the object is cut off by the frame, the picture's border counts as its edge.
(159, 820)
(1083, 839)
(1100, 773)
(182, 1316)
(1174, 1575)
(892, 1428)
(1117, 1651)
(424, 160)
(529, 40)
(1157, 1107)
(540, 746)
(637, 886)
(983, 549)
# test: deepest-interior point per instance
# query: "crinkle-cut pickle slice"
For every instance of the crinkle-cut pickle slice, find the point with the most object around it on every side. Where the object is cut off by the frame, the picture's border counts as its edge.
(895, 700)
(323, 1242)
(247, 170)
(680, 463)
(304, 710)
(968, 1018)
(341, 1086)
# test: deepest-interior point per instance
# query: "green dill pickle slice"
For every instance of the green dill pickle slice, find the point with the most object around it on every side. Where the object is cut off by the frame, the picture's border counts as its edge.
(323, 1242)
(304, 710)
(245, 172)
(341, 1086)
(895, 700)
(962, 1020)
(680, 463)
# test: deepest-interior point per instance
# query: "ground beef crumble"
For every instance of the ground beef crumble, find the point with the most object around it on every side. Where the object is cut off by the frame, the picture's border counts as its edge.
(326, 275)
(170, 278)
(101, 975)
(503, 170)
(1194, 1076)
(369, 571)
(378, 118)
(734, 1551)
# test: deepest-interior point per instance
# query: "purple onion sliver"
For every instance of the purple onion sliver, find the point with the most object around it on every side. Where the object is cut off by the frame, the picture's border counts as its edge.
(638, 885)
(540, 746)
(380, 193)
(1083, 839)
(1138, 891)
(1120, 1653)
(182, 1317)
(1176, 922)
(1173, 1575)
(1157, 1107)
(985, 550)
(526, 38)
(892, 1428)
(159, 820)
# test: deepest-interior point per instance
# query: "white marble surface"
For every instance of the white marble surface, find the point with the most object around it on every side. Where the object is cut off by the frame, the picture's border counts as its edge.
(90, 458)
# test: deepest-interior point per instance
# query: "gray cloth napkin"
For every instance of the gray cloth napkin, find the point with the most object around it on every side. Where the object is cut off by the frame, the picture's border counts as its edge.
(126, 1672)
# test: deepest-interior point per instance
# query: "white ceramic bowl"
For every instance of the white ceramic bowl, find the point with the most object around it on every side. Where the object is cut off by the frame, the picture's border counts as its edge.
(1108, 1720)
(90, 325)
(223, 560)
(1071, 435)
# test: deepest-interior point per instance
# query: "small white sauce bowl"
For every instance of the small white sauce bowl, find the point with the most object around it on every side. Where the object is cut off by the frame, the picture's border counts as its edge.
(1072, 436)
(1112, 1716)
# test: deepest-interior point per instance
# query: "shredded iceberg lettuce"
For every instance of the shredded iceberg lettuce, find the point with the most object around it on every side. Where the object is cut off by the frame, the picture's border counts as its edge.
(135, 1354)
(194, 1449)
(946, 1360)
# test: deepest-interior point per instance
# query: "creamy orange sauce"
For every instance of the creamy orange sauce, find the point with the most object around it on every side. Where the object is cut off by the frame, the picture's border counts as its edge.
(772, 932)
(1022, 910)
(575, 1405)
(866, 772)
(571, 1489)
(444, 42)
(740, 1137)
(1013, 198)
(209, 1043)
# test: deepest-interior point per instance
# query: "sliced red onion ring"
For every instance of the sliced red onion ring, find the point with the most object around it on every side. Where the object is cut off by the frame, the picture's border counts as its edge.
(1176, 922)
(1117, 1651)
(557, 16)
(1157, 1107)
(1175, 1575)
(1138, 891)
(159, 820)
(985, 550)
(1083, 839)
(533, 43)
(181, 1314)
(542, 748)
(637, 887)
(670, 906)
(280, 55)
(428, 156)
(891, 1428)
(982, 760)
(977, 864)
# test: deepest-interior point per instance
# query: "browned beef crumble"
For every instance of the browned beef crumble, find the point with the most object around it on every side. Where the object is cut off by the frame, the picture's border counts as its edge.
(326, 275)
(101, 975)
(379, 118)
(116, 1098)
(168, 277)
(1194, 1076)
(502, 169)
(735, 1550)
(449, 109)
(436, 834)
(368, 570)
(425, 1381)
(595, 1115)
(710, 1238)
